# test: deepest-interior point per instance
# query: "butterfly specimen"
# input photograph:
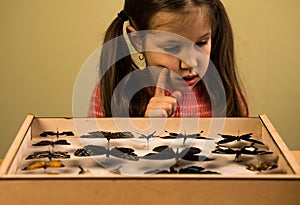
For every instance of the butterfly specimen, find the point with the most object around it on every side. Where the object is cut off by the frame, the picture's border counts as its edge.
(108, 135)
(231, 138)
(261, 167)
(165, 152)
(57, 133)
(120, 152)
(48, 154)
(173, 135)
(52, 143)
(187, 170)
(81, 153)
(45, 165)
(248, 150)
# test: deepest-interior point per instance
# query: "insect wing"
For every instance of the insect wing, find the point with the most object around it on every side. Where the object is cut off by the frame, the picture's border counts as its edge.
(94, 150)
(35, 165)
(55, 164)
(43, 143)
(61, 142)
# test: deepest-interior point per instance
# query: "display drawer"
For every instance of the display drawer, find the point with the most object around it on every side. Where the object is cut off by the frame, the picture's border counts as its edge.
(132, 160)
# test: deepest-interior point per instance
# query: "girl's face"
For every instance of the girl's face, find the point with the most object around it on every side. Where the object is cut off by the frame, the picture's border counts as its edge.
(181, 56)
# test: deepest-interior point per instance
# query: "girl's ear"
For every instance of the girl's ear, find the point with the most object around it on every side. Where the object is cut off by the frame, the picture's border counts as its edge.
(134, 38)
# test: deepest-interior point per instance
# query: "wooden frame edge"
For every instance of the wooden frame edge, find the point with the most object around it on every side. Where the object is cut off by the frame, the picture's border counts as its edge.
(281, 144)
(10, 155)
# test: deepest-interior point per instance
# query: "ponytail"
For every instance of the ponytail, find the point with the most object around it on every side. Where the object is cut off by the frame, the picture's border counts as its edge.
(112, 71)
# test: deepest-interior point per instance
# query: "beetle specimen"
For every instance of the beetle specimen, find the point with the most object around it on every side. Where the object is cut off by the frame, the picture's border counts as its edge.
(52, 143)
(261, 167)
(231, 138)
(173, 135)
(48, 154)
(248, 150)
(45, 165)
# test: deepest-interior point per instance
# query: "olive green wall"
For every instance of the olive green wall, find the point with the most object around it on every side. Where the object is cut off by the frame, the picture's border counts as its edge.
(44, 43)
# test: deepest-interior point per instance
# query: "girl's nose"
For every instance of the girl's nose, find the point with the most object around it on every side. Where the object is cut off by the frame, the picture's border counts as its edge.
(188, 65)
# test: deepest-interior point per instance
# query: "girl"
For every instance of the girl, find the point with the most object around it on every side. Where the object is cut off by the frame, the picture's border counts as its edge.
(202, 22)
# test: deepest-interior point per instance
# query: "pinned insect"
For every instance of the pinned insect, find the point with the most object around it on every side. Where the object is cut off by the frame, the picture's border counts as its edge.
(147, 137)
(57, 133)
(52, 143)
(165, 152)
(108, 135)
(83, 171)
(187, 170)
(248, 150)
(173, 135)
(45, 165)
(48, 154)
(119, 152)
(265, 166)
(231, 138)
(81, 153)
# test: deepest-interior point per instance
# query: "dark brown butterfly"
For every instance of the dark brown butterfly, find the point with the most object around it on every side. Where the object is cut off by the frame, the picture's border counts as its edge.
(52, 143)
(57, 133)
(231, 138)
(249, 150)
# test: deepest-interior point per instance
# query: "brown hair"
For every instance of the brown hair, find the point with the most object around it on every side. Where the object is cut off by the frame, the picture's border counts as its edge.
(140, 13)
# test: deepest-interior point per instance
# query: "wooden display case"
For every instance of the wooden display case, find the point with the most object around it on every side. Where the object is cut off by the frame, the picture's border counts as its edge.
(105, 185)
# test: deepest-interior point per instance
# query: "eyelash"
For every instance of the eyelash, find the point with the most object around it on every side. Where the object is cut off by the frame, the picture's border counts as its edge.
(173, 49)
(176, 49)
(201, 43)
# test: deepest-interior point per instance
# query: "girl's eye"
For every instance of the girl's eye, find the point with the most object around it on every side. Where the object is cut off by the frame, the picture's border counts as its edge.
(201, 43)
(172, 49)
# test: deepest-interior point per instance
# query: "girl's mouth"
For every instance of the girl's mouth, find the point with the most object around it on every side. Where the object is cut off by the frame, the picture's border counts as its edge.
(190, 80)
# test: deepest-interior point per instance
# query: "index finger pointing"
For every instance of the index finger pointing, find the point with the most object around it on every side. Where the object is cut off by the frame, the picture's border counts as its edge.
(161, 82)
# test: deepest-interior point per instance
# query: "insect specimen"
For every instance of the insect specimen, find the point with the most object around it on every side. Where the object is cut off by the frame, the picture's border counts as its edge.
(48, 154)
(173, 135)
(120, 152)
(261, 167)
(81, 153)
(187, 170)
(166, 152)
(147, 137)
(83, 171)
(57, 133)
(248, 150)
(52, 143)
(108, 135)
(231, 138)
(45, 165)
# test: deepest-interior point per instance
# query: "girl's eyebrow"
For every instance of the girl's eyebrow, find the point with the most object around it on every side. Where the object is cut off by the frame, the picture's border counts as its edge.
(205, 35)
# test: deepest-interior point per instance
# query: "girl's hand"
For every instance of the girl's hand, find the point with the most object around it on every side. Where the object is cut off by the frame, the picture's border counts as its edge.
(161, 105)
